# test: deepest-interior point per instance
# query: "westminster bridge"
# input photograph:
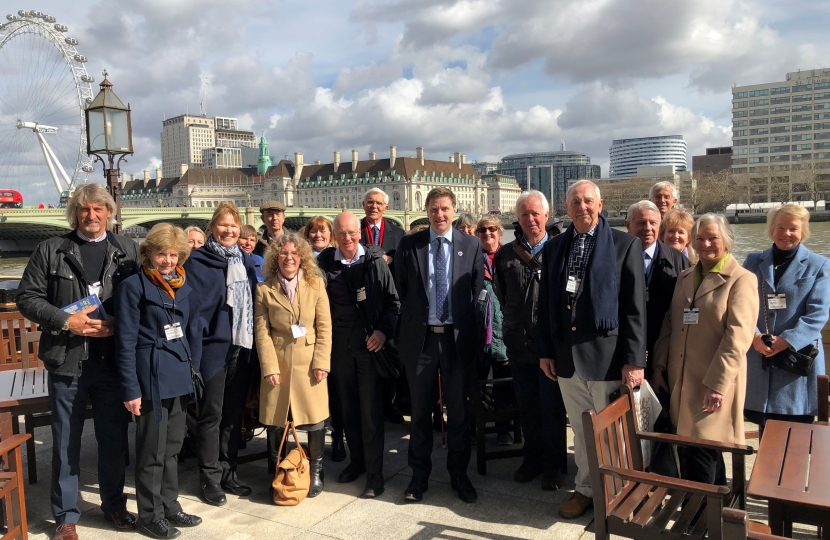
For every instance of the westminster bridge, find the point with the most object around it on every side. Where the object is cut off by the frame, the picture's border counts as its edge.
(22, 229)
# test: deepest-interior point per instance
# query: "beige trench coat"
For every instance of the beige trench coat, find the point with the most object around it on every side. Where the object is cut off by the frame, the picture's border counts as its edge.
(710, 354)
(294, 359)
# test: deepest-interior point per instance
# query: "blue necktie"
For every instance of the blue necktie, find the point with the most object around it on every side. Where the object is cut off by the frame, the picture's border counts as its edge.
(646, 258)
(375, 235)
(443, 305)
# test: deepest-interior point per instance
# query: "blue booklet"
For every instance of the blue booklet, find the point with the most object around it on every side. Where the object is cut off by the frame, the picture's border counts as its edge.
(83, 303)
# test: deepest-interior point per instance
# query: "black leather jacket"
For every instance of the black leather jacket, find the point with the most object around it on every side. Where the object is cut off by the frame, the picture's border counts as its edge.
(53, 279)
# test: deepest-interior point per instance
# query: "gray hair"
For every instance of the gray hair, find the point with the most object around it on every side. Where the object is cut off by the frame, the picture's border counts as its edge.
(722, 223)
(90, 194)
(490, 219)
(642, 205)
(377, 190)
(579, 183)
(529, 194)
(465, 220)
(660, 186)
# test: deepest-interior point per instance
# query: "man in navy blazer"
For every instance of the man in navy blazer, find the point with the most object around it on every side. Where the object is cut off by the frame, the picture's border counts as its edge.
(439, 273)
(592, 319)
(662, 264)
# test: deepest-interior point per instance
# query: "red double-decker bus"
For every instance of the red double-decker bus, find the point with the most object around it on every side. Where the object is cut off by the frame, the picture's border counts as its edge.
(10, 198)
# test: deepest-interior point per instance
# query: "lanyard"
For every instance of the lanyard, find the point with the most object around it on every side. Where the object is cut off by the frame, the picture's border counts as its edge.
(170, 314)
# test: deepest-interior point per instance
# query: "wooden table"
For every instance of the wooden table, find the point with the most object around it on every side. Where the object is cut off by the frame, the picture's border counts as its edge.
(792, 472)
(22, 392)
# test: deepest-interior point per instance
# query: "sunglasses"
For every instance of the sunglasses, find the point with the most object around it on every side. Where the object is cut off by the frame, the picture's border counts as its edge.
(488, 229)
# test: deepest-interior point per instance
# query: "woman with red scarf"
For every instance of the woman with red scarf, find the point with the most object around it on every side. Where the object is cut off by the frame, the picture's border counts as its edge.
(151, 313)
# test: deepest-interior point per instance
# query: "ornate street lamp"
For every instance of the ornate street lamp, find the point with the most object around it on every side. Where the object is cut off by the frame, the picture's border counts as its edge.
(109, 133)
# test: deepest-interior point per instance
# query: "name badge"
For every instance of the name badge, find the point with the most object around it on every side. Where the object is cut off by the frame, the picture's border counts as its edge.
(691, 316)
(572, 285)
(173, 331)
(298, 330)
(482, 296)
(776, 301)
(95, 288)
(361, 295)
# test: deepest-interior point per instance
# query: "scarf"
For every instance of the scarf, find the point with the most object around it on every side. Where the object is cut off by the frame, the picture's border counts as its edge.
(489, 273)
(238, 293)
(600, 280)
(290, 285)
(168, 283)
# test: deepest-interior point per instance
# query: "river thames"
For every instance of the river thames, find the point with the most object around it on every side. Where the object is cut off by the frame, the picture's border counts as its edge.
(748, 238)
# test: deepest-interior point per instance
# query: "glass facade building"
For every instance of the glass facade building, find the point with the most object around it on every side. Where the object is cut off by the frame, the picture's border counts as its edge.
(517, 165)
(628, 154)
(554, 181)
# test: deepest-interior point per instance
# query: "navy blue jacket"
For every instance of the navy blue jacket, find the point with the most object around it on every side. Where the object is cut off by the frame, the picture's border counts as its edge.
(209, 331)
(151, 366)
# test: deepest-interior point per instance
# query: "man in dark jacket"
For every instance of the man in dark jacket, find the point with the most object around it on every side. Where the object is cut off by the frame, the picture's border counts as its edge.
(518, 271)
(78, 351)
(364, 312)
(272, 214)
(592, 319)
(662, 266)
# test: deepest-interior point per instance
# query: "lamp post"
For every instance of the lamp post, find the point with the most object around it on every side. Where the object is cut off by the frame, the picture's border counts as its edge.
(109, 133)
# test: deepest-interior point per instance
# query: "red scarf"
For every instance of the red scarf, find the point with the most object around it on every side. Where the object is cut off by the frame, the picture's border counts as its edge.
(370, 236)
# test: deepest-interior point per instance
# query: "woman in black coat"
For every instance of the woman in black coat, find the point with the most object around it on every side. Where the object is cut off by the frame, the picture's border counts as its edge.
(221, 335)
(151, 312)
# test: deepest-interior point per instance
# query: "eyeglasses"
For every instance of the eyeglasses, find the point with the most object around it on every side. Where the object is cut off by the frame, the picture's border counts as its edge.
(286, 254)
(488, 229)
(344, 234)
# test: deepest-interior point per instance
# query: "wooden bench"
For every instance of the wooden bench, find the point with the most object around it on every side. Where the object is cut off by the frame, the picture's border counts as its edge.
(633, 503)
(11, 488)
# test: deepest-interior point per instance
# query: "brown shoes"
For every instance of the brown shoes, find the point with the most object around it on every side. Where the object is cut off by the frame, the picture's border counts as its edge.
(66, 532)
(577, 505)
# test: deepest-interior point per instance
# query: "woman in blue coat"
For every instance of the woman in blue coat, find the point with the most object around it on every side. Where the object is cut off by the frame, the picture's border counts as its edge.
(221, 334)
(794, 322)
(151, 312)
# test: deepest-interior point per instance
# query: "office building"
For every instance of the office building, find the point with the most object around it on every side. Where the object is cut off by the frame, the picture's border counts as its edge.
(517, 165)
(484, 167)
(781, 136)
(714, 161)
(222, 158)
(502, 193)
(628, 154)
(185, 138)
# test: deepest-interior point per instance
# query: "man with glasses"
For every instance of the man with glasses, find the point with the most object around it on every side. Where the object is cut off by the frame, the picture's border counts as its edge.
(364, 312)
(273, 216)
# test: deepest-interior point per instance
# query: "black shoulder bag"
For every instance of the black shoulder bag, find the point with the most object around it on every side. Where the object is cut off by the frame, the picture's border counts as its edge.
(796, 362)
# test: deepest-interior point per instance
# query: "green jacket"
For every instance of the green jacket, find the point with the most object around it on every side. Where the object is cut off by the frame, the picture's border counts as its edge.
(496, 348)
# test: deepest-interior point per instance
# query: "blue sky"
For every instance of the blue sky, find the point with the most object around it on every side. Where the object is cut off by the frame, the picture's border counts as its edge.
(485, 78)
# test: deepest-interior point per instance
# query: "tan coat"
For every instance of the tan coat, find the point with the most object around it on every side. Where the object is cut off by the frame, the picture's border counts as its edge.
(710, 354)
(294, 359)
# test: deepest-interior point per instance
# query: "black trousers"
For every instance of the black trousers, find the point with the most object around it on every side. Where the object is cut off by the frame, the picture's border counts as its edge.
(702, 465)
(335, 406)
(544, 419)
(361, 401)
(157, 448)
(207, 429)
(238, 373)
(439, 352)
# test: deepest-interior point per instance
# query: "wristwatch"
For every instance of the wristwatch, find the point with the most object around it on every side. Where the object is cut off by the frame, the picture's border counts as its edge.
(65, 326)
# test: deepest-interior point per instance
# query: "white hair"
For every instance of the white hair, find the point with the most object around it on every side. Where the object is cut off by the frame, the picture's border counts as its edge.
(529, 194)
(642, 205)
(722, 223)
(380, 191)
(660, 186)
(579, 183)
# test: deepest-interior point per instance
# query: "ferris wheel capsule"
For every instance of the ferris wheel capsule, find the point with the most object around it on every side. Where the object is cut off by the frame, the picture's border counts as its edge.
(88, 168)
(71, 41)
(36, 14)
(61, 28)
(11, 18)
(48, 18)
(79, 58)
(23, 13)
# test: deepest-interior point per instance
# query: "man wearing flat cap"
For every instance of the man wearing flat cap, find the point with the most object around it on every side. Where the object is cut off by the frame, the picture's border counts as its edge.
(273, 216)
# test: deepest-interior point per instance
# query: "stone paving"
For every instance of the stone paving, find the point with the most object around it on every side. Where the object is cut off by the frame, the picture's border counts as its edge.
(505, 509)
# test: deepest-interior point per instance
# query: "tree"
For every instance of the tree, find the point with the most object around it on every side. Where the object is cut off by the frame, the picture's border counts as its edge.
(719, 190)
(618, 195)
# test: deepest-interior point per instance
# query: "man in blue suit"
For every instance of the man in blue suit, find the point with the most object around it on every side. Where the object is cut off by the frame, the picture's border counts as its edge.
(439, 275)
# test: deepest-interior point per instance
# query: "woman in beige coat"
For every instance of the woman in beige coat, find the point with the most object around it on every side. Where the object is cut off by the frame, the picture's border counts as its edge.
(292, 324)
(702, 346)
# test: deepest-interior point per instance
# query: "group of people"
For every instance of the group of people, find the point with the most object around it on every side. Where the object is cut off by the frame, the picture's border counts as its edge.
(341, 323)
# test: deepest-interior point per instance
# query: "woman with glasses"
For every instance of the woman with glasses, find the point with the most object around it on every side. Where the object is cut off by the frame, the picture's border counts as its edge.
(293, 336)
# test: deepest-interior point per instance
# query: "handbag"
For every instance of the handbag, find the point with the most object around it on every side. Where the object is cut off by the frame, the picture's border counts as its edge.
(798, 362)
(293, 476)
(195, 376)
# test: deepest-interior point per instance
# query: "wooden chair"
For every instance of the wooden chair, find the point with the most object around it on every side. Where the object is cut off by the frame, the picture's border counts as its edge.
(491, 410)
(29, 343)
(737, 526)
(823, 384)
(632, 503)
(11, 488)
(12, 325)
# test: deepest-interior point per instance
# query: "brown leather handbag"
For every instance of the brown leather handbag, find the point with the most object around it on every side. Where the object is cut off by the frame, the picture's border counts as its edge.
(293, 476)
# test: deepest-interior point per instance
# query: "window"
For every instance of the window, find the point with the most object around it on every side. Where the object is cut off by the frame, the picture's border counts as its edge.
(802, 157)
(739, 170)
(740, 151)
(823, 125)
(759, 150)
(821, 85)
(778, 100)
(798, 108)
(780, 90)
(802, 127)
(784, 138)
(757, 169)
(822, 155)
(739, 105)
(759, 131)
(802, 88)
(761, 140)
(738, 95)
(822, 95)
(784, 148)
(799, 147)
(779, 120)
(758, 160)
(821, 145)
(739, 133)
(774, 159)
(779, 110)
(739, 142)
(821, 116)
(818, 136)
(739, 114)
(758, 93)
(805, 97)
(759, 122)
(740, 123)
(807, 137)
(738, 161)
(759, 112)
(780, 129)
(757, 102)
